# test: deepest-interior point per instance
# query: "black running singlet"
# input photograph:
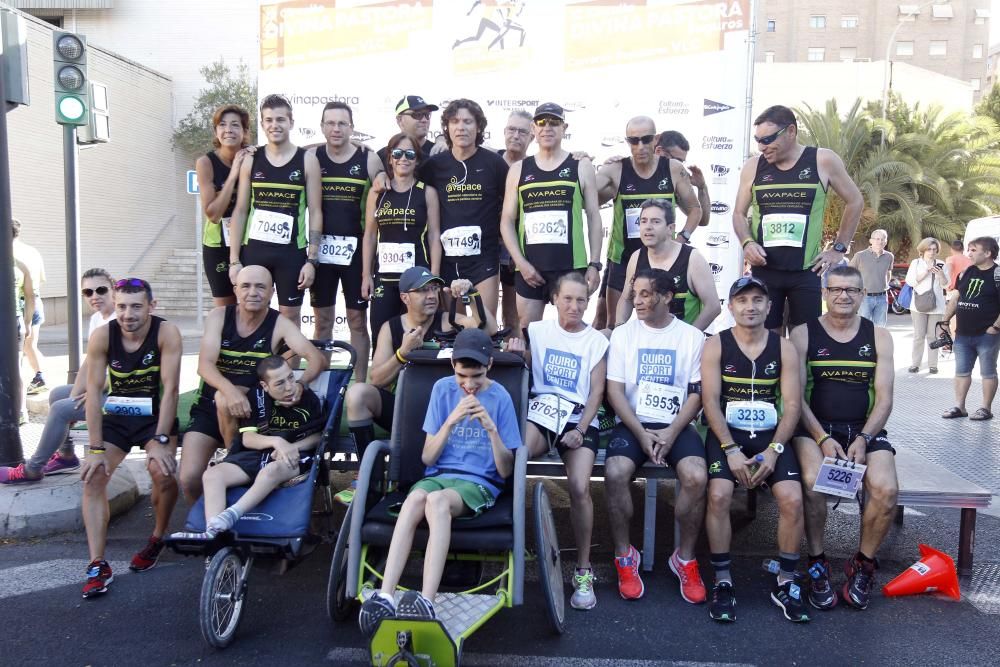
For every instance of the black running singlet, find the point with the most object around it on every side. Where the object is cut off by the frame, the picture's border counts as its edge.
(277, 202)
(746, 379)
(238, 356)
(212, 232)
(840, 377)
(550, 225)
(632, 191)
(133, 377)
(685, 305)
(401, 218)
(345, 191)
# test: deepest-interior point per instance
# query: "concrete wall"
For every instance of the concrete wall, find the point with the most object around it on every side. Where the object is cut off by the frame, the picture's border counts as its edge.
(131, 189)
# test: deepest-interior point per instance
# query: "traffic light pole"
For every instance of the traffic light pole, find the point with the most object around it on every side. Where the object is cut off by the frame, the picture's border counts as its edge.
(11, 453)
(72, 189)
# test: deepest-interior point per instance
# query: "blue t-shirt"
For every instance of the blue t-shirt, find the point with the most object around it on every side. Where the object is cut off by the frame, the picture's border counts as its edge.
(468, 450)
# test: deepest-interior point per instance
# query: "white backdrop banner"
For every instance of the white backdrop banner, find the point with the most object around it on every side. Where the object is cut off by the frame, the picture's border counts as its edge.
(685, 64)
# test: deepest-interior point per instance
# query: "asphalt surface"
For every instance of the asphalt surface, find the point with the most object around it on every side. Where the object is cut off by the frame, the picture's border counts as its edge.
(152, 618)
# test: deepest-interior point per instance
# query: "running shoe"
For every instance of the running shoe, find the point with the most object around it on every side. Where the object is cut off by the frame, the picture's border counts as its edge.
(788, 596)
(36, 386)
(692, 587)
(414, 605)
(857, 591)
(99, 577)
(146, 558)
(821, 593)
(16, 475)
(373, 611)
(723, 606)
(583, 590)
(57, 465)
(629, 582)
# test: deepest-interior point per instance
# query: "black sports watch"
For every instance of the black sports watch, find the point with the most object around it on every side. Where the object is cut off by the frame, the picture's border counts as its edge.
(839, 247)
(868, 438)
(684, 234)
(314, 262)
(597, 265)
(162, 439)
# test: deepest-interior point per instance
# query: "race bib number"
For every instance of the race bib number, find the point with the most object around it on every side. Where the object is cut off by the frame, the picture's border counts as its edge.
(271, 227)
(840, 478)
(337, 250)
(751, 415)
(658, 402)
(783, 230)
(462, 241)
(632, 222)
(549, 411)
(546, 227)
(395, 257)
(224, 223)
(129, 406)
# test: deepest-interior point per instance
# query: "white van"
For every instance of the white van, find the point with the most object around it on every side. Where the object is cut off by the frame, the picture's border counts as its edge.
(982, 227)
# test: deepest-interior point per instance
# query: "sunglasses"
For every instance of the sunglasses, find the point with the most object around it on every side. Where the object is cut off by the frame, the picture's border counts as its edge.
(418, 115)
(100, 291)
(771, 138)
(132, 282)
(548, 122)
(409, 154)
(744, 282)
(644, 139)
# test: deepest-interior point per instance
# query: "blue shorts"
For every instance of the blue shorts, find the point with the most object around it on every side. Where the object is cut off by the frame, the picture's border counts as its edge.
(38, 316)
(984, 347)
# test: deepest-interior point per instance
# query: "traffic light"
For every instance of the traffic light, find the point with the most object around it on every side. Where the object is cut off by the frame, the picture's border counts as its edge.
(69, 54)
(14, 49)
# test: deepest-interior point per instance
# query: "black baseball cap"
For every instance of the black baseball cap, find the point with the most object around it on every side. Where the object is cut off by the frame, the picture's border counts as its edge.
(416, 277)
(413, 103)
(745, 283)
(473, 344)
(550, 110)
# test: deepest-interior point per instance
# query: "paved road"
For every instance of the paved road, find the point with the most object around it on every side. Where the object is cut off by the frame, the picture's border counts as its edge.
(151, 619)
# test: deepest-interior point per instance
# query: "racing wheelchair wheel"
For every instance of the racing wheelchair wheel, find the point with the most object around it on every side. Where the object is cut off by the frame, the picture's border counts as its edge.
(223, 592)
(549, 561)
(338, 602)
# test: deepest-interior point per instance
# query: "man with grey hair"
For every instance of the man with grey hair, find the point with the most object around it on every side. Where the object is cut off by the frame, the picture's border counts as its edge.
(516, 138)
(875, 265)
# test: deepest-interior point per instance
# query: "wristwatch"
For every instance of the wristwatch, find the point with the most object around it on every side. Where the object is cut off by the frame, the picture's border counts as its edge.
(839, 247)
(162, 438)
(777, 447)
(868, 438)
(597, 265)
(684, 234)
(314, 262)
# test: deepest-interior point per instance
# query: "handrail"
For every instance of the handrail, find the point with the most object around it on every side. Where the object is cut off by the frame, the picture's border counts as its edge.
(156, 238)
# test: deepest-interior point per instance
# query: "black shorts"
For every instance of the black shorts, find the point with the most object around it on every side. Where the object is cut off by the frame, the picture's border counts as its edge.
(216, 263)
(591, 437)
(506, 269)
(474, 269)
(543, 293)
(252, 461)
(388, 409)
(845, 434)
(385, 305)
(786, 468)
(284, 262)
(801, 289)
(128, 432)
(623, 442)
(205, 420)
(323, 293)
(615, 275)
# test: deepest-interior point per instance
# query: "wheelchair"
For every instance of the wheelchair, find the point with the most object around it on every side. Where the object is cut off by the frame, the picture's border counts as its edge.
(495, 537)
(277, 531)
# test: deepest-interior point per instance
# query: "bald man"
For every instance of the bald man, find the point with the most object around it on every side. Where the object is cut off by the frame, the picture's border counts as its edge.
(236, 337)
(630, 182)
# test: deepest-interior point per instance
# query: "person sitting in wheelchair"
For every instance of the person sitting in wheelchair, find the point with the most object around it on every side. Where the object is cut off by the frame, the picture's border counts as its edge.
(472, 430)
(286, 420)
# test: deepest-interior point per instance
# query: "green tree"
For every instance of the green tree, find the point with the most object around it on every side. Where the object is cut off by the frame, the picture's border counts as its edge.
(193, 135)
(989, 105)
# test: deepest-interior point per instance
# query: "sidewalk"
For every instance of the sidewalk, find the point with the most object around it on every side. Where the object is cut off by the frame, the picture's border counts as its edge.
(970, 449)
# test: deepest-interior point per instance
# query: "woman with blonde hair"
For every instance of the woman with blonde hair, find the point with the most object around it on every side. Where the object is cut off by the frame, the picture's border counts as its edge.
(928, 279)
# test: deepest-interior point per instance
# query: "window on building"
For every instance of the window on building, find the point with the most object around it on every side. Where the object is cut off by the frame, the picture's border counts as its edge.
(904, 48)
(849, 22)
(939, 47)
(976, 84)
(818, 22)
(848, 54)
(981, 16)
(769, 56)
(771, 25)
(977, 51)
(816, 54)
(942, 12)
(909, 12)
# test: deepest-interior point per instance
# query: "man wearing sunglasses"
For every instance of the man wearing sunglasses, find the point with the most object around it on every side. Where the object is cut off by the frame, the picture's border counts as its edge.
(629, 183)
(674, 145)
(413, 116)
(546, 196)
(137, 357)
(848, 376)
(787, 186)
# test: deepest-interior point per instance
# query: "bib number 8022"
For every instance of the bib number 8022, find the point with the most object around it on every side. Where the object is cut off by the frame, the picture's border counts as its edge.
(336, 250)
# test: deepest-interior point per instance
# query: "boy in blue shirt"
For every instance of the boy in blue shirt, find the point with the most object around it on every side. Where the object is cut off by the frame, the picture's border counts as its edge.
(472, 431)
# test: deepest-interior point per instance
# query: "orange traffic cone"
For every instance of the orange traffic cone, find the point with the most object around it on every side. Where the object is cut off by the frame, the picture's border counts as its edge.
(935, 571)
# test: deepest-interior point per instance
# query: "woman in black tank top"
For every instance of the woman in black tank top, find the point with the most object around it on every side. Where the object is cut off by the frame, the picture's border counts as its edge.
(218, 176)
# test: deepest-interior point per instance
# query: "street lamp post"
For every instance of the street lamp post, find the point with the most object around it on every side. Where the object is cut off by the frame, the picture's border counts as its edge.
(888, 51)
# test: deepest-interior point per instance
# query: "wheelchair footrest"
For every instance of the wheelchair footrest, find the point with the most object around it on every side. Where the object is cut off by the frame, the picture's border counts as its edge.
(459, 612)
